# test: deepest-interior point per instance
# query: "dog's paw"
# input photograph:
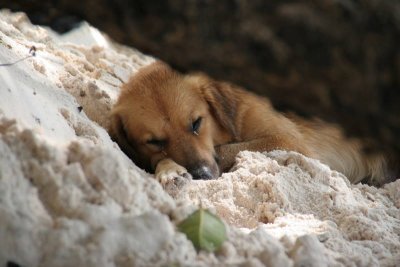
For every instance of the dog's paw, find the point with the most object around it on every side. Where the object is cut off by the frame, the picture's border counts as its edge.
(169, 173)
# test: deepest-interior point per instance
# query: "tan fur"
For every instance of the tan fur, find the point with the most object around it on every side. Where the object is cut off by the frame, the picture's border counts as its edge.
(160, 103)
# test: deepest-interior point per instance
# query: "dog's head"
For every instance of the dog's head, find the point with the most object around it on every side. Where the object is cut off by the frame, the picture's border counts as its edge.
(162, 113)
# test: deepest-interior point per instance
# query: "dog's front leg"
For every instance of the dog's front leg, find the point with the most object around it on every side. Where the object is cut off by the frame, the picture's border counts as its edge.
(227, 152)
(168, 171)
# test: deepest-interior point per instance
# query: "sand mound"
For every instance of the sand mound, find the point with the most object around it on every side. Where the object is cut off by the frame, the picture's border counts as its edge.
(70, 197)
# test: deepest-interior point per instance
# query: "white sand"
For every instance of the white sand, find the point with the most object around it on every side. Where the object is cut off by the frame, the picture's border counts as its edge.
(70, 197)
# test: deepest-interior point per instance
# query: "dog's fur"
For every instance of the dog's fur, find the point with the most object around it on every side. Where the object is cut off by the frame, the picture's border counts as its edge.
(156, 117)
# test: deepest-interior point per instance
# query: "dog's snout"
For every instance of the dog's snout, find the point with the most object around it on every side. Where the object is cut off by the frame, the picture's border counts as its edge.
(201, 172)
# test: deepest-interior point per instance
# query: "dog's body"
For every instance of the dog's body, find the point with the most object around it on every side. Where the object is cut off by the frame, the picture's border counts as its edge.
(169, 122)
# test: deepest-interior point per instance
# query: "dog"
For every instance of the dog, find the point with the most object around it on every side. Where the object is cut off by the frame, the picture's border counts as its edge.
(191, 125)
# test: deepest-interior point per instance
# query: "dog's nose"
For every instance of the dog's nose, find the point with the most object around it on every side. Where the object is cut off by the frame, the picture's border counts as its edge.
(201, 172)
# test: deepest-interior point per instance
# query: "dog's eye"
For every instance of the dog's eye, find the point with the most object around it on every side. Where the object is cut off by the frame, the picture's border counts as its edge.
(196, 126)
(158, 143)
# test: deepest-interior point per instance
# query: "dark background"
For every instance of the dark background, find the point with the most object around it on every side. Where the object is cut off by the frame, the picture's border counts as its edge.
(335, 59)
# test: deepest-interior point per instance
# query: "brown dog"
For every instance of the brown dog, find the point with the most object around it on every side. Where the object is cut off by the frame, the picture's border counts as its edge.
(173, 124)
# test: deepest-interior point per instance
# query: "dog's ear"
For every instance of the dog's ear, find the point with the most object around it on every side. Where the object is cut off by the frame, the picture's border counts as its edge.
(119, 135)
(222, 100)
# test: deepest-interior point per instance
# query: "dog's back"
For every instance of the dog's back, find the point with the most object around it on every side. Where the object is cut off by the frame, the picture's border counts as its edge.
(317, 139)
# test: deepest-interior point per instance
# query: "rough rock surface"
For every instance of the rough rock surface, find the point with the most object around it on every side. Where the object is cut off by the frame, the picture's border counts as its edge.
(70, 197)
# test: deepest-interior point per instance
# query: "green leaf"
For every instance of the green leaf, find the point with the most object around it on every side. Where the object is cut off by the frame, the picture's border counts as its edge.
(204, 229)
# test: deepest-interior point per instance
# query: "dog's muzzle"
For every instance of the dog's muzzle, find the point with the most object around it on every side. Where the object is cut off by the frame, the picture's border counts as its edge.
(201, 173)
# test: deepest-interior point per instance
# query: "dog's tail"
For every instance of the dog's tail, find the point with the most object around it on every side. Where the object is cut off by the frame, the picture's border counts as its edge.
(378, 170)
(346, 155)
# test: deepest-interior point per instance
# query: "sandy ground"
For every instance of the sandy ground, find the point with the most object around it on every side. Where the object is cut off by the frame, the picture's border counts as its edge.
(70, 197)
